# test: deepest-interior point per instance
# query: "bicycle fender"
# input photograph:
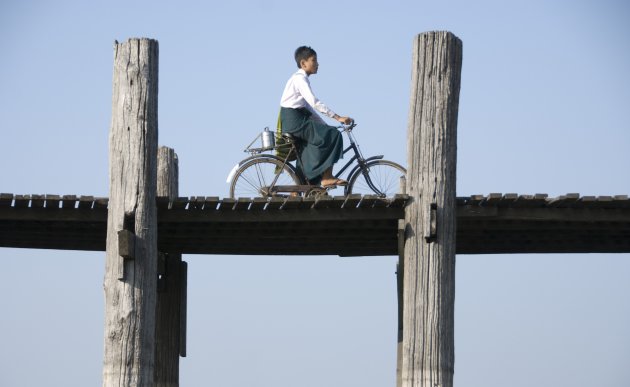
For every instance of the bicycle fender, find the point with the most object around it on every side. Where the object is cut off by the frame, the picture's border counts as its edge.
(379, 157)
(232, 173)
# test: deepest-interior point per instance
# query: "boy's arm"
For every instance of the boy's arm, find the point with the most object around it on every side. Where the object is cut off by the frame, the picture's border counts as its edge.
(314, 115)
(304, 87)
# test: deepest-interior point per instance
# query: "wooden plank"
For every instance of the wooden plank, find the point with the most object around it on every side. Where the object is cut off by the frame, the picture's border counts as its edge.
(492, 199)
(291, 203)
(52, 201)
(367, 201)
(22, 201)
(475, 200)
(86, 202)
(621, 201)
(583, 202)
(540, 200)
(322, 202)
(602, 202)
(307, 203)
(531, 201)
(242, 204)
(68, 201)
(567, 200)
(192, 204)
(381, 202)
(180, 203)
(227, 204)
(6, 199)
(197, 203)
(351, 201)
(337, 201)
(258, 204)
(211, 202)
(274, 203)
(37, 201)
(100, 203)
(507, 200)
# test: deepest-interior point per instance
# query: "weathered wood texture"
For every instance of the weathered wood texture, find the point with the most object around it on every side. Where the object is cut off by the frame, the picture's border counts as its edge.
(131, 285)
(167, 337)
(429, 257)
(168, 173)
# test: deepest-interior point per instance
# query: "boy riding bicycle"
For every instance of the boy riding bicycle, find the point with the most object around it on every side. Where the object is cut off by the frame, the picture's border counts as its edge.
(323, 144)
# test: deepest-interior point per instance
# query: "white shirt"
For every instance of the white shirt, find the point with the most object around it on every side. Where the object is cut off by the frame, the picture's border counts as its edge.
(298, 94)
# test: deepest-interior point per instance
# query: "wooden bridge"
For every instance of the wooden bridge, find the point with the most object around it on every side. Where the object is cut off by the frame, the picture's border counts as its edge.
(351, 226)
(144, 226)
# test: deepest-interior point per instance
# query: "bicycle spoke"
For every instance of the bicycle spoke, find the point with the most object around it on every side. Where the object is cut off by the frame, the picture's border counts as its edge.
(261, 176)
(255, 187)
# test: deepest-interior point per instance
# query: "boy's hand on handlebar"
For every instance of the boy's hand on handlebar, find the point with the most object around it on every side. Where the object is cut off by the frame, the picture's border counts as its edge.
(345, 120)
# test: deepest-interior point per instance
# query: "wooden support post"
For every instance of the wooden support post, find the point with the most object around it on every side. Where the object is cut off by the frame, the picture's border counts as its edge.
(131, 284)
(429, 258)
(169, 322)
(400, 275)
(183, 308)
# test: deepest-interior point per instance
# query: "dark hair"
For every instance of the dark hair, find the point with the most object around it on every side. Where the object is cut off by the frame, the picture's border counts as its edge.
(303, 53)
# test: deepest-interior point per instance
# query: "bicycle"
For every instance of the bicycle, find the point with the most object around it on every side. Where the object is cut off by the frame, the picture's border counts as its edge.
(264, 174)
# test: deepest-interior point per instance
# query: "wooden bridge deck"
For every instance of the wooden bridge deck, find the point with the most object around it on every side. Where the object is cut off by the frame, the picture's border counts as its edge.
(346, 226)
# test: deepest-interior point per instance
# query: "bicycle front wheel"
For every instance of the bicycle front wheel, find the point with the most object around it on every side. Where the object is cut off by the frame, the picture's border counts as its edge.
(380, 177)
(255, 176)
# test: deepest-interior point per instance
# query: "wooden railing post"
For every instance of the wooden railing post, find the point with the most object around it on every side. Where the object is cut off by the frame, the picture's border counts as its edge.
(130, 282)
(170, 272)
(429, 252)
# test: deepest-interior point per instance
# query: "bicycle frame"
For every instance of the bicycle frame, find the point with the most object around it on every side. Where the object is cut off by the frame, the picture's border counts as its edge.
(361, 161)
(360, 166)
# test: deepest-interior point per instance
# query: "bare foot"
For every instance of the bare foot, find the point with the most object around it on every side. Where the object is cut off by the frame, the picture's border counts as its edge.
(333, 182)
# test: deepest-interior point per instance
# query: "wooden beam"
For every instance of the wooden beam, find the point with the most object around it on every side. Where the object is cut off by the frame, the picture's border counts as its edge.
(588, 224)
(168, 323)
(183, 308)
(549, 215)
(429, 258)
(130, 303)
(321, 212)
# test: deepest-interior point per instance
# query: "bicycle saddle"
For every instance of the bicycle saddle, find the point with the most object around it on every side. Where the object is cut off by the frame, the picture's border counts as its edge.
(288, 137)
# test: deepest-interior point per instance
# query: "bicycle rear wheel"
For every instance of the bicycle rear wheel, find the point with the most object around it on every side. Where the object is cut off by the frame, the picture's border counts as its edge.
(381, 177)
(255, 175)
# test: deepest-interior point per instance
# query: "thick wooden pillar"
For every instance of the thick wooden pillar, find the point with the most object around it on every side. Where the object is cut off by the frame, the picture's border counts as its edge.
(131, 258)
(170, 273)
(429, 252)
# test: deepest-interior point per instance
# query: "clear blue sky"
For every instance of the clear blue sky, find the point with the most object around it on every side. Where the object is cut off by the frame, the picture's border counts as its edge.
(543, 109)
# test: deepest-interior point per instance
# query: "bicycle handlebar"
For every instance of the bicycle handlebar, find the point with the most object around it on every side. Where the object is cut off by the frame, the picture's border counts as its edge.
(349, 127)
